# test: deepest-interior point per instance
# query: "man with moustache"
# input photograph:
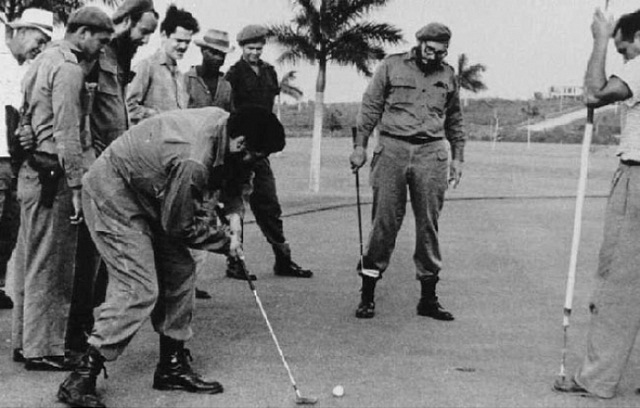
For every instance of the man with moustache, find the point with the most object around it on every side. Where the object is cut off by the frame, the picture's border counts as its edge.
(158, 85)
(414, 100)
(49, 185)
(27, 38)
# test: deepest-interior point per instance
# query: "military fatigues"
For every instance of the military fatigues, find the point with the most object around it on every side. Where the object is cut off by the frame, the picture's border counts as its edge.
(251, 89)
(54, 90)
(143, 200)
(201, 96)
(416, 114)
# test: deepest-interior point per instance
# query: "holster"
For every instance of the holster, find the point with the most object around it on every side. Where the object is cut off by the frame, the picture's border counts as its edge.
(49, 173)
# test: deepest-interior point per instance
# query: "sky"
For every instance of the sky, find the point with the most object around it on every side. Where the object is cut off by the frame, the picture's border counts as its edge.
(526, 45)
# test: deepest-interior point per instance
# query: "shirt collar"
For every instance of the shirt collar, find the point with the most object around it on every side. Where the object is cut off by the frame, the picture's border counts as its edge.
(163, 59)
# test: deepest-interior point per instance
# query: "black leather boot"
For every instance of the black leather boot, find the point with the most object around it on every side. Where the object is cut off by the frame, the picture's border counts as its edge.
(429, 305)
(174, 371)
(79, 389)
(366, 308)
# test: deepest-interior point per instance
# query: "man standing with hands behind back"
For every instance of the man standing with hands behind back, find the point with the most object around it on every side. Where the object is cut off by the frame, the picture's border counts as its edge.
(413, 98)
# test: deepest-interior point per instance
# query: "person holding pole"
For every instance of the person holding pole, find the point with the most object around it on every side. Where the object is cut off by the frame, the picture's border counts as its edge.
(414, 100)
(615, 303)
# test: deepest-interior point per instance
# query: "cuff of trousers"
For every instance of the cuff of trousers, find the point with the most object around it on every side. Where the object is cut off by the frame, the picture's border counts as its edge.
(372, 273)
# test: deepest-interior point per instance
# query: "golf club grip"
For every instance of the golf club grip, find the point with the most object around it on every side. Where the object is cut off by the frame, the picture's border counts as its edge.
(354, 133)
(225, 221)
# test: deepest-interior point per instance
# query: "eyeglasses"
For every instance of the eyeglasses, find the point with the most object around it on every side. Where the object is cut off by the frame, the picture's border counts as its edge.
(438, 53)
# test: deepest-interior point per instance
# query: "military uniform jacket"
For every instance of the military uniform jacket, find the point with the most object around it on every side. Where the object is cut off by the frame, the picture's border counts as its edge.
(200, 96)
(251, 89)
(403, 100)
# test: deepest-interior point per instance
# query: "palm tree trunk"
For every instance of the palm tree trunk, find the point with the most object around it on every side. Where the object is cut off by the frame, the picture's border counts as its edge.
(316, 141)
(279, 107)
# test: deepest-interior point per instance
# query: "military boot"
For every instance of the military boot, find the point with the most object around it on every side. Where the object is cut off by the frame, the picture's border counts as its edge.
(174, 372)
(79, 389)
(428, 305)
(366, 308)
(284, 265)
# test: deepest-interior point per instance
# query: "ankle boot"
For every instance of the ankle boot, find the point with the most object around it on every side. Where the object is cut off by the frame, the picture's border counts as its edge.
(366, 308)
(429, 305)
(174, 372)
(79, 389)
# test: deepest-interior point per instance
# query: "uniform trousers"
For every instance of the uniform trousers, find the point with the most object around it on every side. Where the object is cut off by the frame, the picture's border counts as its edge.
(615, 303)
(421, 169)
(44, 268)
(149, 273)
(9, 216)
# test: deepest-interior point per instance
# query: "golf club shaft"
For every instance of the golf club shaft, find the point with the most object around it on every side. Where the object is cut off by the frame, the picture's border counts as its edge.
(357, 172)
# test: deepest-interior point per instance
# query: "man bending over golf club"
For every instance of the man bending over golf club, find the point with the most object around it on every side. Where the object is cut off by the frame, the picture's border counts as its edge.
(144, 205)
(615, 303)
(413, 99)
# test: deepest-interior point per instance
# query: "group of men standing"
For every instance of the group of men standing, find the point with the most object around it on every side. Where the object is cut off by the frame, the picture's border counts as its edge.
(106, 205)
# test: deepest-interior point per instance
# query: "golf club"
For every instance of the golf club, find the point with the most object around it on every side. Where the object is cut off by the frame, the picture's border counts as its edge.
(300, 400)
(357, 172)
(577, 226)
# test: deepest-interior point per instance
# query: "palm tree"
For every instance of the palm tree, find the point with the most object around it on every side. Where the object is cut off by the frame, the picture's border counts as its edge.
(470, 76)
(324, 31)
(60, 8)
(288, 88)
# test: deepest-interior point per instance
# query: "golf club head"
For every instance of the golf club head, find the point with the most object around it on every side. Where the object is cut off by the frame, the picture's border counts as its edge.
(305, 400)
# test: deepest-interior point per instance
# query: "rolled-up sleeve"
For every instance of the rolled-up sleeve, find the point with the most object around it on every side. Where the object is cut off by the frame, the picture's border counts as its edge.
(185, 213)
(453, 125)
(67, 87)
(373, 101)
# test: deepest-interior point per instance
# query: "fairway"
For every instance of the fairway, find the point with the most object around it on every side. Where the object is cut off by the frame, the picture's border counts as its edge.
(505, 232)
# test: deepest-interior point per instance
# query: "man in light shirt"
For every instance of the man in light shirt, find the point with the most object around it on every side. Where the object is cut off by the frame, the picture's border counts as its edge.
(615, 303)
(26, 38)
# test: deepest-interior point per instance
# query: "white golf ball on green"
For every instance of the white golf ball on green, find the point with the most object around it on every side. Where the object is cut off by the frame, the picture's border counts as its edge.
(338, 391)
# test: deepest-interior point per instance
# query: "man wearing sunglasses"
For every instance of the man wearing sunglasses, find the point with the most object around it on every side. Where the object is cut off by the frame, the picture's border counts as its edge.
(413, 99)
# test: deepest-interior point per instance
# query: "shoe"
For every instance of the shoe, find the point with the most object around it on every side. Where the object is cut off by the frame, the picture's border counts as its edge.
(79, 388)
(570, 387)
(431, 308)
(18, 356)
(47, 363)
(366, 310)
(175, 373)
(5, 301)
(237, 269)
(291, 269)
(73, 358)
(202, 294)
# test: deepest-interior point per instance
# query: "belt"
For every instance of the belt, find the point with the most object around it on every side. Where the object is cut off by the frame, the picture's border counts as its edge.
(630, 162)
(414, 140)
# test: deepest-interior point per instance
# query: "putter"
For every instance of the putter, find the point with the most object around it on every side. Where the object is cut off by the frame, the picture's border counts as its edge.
(357, 172)
(300, 400)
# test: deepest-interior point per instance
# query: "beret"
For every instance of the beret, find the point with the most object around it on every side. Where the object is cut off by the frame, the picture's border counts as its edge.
(130, 7)
(250, 33)
(434, 32)
(93, 17)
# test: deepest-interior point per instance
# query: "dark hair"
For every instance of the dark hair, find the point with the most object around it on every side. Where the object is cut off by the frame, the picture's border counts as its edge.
(629, 25)
(135, 17)
(178, 18)
(263, 131)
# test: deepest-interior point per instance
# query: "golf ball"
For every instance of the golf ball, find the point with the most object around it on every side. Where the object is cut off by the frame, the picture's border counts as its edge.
(338, 391)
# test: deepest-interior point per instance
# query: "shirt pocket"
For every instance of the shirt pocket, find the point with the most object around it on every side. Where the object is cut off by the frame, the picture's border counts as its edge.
(108, 82)
(437, 97)
(402, 90)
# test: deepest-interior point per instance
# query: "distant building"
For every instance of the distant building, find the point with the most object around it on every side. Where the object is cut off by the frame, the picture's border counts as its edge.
(561, 92)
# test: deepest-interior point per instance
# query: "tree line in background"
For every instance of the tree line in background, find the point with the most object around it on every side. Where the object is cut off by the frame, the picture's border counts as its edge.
(61, 8)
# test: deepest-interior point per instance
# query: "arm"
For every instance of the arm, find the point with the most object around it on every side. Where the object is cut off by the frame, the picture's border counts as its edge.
(186, 215)
(598, 90)
(137, 93)
(454, 132)
(370, 113)
(67, 87)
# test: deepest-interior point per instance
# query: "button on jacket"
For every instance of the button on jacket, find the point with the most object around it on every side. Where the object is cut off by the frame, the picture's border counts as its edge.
(54, 89)
(158, 86)
(254, 89)
(405, 101)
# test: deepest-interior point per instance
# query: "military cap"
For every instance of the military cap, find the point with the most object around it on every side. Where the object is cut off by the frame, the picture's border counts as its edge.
(434, 32)
(251, 33)
(130, 7)
(93, 17)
